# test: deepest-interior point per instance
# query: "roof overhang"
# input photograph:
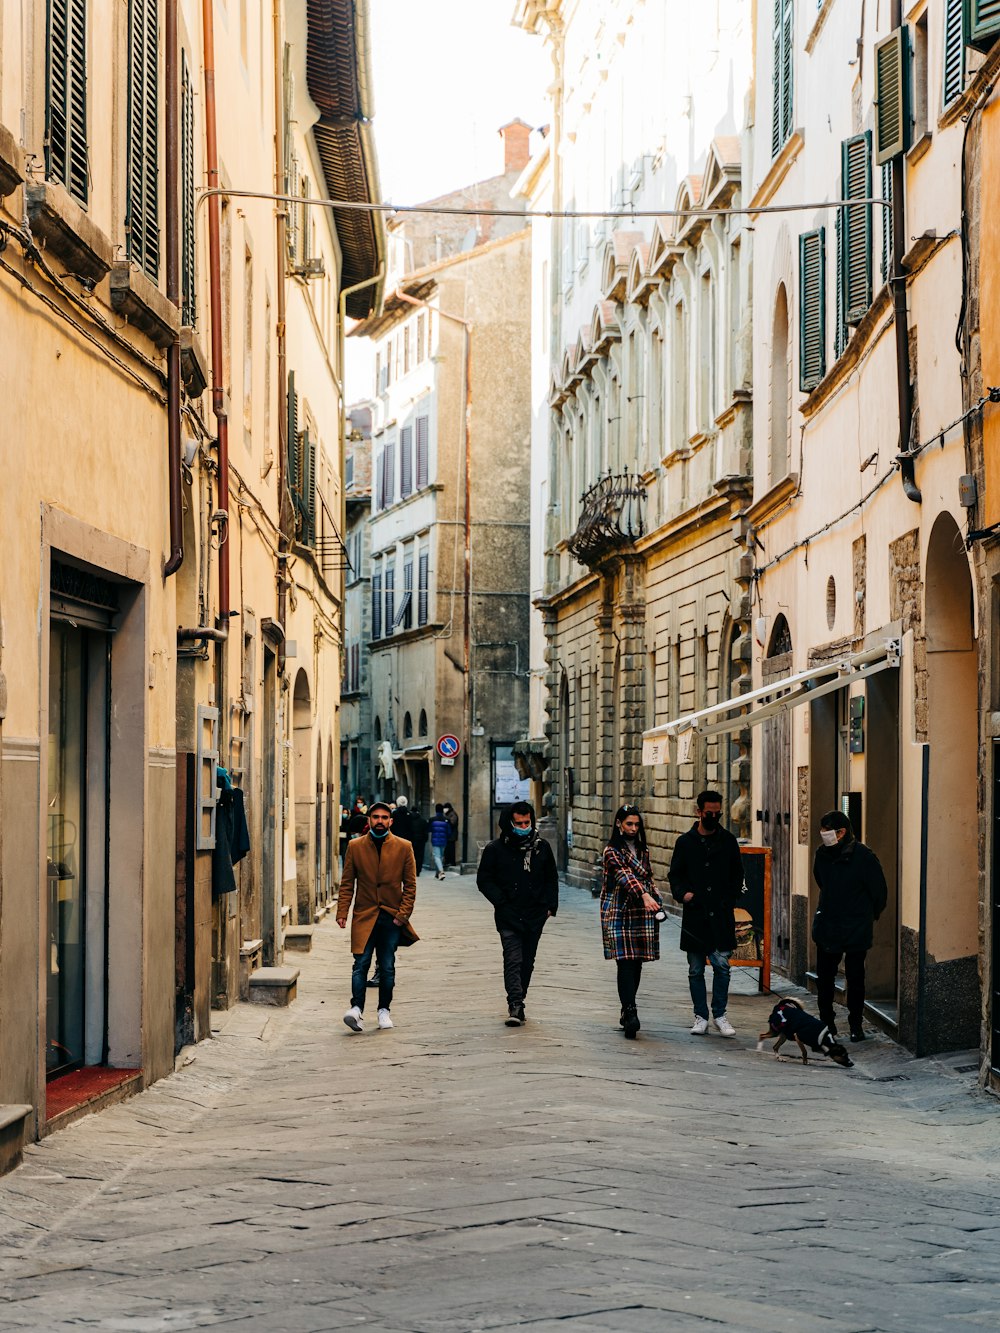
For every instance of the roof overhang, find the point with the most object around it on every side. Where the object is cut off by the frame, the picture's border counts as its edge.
(338, 74)
(776, 697)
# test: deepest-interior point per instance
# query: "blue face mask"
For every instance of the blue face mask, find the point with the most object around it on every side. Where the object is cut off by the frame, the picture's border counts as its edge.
(522, 832)
(379, 833)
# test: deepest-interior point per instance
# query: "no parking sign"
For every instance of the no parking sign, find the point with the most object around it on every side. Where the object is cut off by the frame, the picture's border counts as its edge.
(448, 747)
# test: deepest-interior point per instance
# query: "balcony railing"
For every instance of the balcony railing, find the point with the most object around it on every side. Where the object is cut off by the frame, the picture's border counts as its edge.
(610, 520)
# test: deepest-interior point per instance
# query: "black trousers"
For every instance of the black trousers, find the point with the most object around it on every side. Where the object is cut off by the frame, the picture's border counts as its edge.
(629, 976)
(519, 949)
(854, 974)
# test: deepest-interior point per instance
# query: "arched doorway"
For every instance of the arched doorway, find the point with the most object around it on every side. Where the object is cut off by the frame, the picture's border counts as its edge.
(775, 811)
(304, 800)
(950, 926)
(780, 389)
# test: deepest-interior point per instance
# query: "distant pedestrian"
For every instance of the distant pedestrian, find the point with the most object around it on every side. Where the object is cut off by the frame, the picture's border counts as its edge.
(358, 822)
(418, 837)
(852, 897)
(517, 874)
(629, 902)
(401, 818)
(438, 830)
(381, 880)
(706, 876)
(451, 847)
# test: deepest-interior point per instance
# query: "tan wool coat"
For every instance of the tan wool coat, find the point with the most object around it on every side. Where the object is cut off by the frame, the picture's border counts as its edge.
(373, 880)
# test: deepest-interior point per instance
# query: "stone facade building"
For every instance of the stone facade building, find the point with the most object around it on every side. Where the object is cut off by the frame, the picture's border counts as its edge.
(171, 586)
(357, 773)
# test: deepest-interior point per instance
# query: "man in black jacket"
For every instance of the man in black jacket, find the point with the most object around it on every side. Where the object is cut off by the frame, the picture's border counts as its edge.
(706, 876)
(518, 875)
(852, 897)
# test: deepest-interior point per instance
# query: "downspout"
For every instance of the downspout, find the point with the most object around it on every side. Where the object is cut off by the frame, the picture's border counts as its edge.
(215, 288)
(467, 583)
(281, 242)
(904, 389)
(176, 556)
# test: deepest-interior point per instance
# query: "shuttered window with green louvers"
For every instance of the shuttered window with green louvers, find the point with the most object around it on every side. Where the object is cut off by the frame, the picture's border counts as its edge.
(189, 304)
(954, 49)
(142, 218)
(66, 158)
(886, 221)
(812, 309)
(840, 332)
(783, 40)
(892, 95)
(984, 23)
(856, 270)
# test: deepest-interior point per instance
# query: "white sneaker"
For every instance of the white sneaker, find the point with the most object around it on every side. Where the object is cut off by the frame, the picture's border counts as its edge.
(700, 1026)
(354, 1020)
(723, 1026)
(384, 1021)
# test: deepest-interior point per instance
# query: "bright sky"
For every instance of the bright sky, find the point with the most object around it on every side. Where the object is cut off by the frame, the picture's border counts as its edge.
(448, 74)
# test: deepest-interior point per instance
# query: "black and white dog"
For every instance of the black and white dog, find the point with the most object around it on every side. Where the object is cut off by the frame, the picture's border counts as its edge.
(789, 1021)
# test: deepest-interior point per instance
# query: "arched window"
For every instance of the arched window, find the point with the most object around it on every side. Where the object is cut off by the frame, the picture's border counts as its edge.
(780, 382)
(378, 730)
(423, 722)
(407, 727)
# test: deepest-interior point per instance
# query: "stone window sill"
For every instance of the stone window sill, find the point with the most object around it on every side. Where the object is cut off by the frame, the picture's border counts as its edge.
(61, 226)
(11, 163)
(195, 369)
(143, 304)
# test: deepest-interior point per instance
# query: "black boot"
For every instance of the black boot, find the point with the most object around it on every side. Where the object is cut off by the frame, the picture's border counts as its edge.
(631, 1021)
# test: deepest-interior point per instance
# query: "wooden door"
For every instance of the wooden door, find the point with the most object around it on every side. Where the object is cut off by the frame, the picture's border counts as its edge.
(775, 809)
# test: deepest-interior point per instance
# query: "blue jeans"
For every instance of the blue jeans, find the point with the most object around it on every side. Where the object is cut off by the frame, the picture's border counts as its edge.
(438, 854)
(383, 943)
(720, 982)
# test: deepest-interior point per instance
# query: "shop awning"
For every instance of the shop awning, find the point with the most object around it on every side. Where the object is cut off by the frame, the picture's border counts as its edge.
(789, 692)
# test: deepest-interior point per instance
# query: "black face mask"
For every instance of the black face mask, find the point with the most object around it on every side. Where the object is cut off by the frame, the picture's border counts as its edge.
(710, 819)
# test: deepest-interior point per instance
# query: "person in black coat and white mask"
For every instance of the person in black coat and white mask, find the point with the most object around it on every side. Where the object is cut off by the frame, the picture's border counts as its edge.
(852, 897)
(518, 875)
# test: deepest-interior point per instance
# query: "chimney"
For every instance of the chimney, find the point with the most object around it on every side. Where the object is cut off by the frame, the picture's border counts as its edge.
(515, 136)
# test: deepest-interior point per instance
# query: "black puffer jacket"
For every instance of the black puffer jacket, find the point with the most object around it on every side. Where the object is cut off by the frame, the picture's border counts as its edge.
(852, 895)
(519, 877)
(710, 867)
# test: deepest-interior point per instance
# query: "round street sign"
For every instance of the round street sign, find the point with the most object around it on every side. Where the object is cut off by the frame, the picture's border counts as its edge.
(448, 746)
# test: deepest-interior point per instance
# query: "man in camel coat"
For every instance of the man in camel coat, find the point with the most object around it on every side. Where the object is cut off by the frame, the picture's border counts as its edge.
(380, 875)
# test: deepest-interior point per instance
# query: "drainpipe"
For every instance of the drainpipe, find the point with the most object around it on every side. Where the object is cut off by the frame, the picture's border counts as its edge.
(904, 388)
(215, 287)
(176, 557)
(281, 242)
(467, 584)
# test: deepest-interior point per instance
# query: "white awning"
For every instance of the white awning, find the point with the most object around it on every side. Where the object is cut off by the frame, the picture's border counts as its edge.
(765, 702)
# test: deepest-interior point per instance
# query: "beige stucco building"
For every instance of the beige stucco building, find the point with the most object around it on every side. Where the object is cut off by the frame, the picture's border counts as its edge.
(163, 610)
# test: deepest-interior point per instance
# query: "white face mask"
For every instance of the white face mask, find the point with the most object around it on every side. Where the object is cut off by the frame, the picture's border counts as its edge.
(828, 836)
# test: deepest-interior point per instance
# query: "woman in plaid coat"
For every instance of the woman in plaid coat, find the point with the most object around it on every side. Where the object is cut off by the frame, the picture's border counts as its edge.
(629, 902)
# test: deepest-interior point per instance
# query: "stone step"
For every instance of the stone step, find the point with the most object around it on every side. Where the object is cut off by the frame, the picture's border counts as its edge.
(251, 953)
(299, 938)
(275, 986)
(12, 1128)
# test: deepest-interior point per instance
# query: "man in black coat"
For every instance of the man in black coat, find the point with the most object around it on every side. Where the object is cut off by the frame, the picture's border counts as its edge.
(706, 876)
(517, 874)
(852, 897)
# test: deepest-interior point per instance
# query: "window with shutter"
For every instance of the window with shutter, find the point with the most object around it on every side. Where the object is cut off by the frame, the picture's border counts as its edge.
(422, 452)
(377, 604)
(421, 338)
(66, 159)
(405, 462)
(856, 183)
(389, 475)
(892, 95)
(292, 432)
(390, 598)
(954, 49)
(812, 309)
(886, 221)
(142, 217)
(423, 572)
(783, 41)
(840, 335)
(380, 481)
(309, 490)
(407, 608)
(188, 283)
(984, 23)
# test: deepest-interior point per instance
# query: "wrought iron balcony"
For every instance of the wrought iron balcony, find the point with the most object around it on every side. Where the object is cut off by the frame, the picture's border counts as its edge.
(611, 518)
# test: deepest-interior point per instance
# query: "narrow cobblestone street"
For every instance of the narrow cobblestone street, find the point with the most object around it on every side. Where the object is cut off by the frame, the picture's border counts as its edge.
(454, 1174)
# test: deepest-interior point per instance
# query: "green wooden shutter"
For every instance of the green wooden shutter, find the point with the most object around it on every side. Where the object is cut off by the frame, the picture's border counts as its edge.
(66, 157)
(292, 437)
(840, 328)
(984, 23)
(856, 274)
(189, 302)
(781, 102)
(892, 95)
(812, 309)
(142, 220)
(309, 490)
(954, 49)
(886, 221)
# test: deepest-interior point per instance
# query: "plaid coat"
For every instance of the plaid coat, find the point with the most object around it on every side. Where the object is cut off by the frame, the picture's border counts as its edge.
(629, 931)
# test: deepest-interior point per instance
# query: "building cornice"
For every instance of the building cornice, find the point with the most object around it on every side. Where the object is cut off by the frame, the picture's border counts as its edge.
(772, 500)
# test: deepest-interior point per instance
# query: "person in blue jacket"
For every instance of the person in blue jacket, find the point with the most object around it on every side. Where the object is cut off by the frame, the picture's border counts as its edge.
(439, 830)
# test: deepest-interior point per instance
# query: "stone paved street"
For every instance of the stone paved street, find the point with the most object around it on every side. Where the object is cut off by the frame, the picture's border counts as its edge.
(454, 1174)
